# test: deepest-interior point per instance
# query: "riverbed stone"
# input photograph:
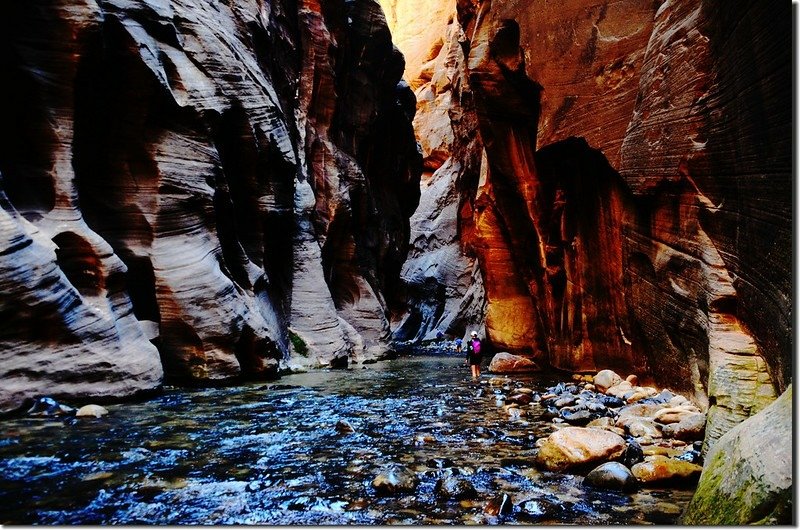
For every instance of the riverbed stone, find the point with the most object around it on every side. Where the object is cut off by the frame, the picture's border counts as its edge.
(641, 427)
(606, 379)
(47, 406)
(612, 476)
(690, 427)
(661, 470)
(502, 504)
(344, 427)
(454, 487)
(395, 479)
(519, 398)
(507, 363)
(573, 447)
(95, 411)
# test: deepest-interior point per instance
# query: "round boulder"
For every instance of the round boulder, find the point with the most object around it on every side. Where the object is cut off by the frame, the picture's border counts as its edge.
(691, 427)
(95, 411)
(506, 363)
(612, 476)
(661, 469)
(605, 379)
(572, 447)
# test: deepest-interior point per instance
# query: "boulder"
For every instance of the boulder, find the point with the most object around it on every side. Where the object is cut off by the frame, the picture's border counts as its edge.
(506, 363)
(395, 479)
(661, 470)
(691, 427)
(606, 379)
(640, 427)
(612, 476)
(95, 411)
(573, 447)
(739, 485)
(520, 398)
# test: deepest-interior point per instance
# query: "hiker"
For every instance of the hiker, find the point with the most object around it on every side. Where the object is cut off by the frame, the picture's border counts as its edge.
(474, 356)
(459, 342)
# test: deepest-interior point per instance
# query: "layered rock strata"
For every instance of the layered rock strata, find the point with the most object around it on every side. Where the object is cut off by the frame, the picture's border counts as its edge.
(210, 188)
(632, 207)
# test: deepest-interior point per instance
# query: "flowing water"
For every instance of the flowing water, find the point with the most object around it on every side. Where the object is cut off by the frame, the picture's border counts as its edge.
(271, 454)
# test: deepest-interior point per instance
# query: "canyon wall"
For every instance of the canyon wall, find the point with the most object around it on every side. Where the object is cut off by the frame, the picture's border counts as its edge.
(198, 191)
(632, 206)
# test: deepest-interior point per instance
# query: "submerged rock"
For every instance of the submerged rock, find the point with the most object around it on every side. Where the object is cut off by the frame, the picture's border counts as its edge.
(91, 410)
(395, 479)
(660, 469)
(502, 504)
(47, 406)
(454, 487)
(612, 476)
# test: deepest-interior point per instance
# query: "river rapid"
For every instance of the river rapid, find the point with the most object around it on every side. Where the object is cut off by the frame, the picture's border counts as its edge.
(272, 454)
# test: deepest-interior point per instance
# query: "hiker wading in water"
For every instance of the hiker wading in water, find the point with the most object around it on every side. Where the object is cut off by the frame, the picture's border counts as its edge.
(474, 355)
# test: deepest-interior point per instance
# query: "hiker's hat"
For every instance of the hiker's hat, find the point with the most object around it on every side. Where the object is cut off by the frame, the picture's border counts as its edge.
(474, 333)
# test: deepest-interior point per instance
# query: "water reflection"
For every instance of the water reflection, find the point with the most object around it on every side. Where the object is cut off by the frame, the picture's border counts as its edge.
(272, 454)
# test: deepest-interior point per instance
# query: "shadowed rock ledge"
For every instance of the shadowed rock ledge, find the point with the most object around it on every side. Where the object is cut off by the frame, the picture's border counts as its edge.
(197, 190)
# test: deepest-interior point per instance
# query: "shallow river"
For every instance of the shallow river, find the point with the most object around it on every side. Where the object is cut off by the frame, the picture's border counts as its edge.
(267, 454)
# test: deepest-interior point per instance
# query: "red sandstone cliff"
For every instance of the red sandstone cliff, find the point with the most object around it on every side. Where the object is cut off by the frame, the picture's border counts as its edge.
(633, 206)
(214, 188)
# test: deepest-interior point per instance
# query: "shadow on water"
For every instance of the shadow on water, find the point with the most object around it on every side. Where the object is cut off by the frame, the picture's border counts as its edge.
(272, 454)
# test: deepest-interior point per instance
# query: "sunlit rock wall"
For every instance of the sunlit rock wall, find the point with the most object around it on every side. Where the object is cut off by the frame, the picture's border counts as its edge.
(633, 209)
(204, 190)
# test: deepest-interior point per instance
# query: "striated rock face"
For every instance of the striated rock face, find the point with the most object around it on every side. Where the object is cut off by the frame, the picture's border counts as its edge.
(230, 183)
(748, 474)
(632, 208)
(442, 283)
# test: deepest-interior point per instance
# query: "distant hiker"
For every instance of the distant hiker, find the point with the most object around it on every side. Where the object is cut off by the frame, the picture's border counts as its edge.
(439, 334)
(458, 344)
(474, 356)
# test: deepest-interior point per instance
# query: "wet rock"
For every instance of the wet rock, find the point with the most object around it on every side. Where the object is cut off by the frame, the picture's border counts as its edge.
(601, 423)
(454, 487)
(636, 412)
(663, 470)
(580, 417)
(500, 505)
(640, 393)
(691, 427)
(643, 427)
(661, 513)
(620, 390)
(572, 447)
(395, 479)
(606, 379)
(519, 398)
(506, 363)
(440, 463)
(565, 401)
(524, 390)
(633, 454)
(612, 476)
(95, 411)
(672, 414)
(692, 455)
(47, 406)
(344, 427)
(610, 401)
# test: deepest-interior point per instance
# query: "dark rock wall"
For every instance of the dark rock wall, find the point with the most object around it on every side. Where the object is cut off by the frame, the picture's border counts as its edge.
(633, 209)
(201, 189)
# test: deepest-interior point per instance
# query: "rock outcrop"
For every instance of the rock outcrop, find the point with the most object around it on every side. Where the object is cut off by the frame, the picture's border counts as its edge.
(631, 208)
(202, 190)
(748, 474)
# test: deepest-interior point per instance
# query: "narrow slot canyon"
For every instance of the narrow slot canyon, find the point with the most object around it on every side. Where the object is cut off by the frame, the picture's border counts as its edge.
(387, 262)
